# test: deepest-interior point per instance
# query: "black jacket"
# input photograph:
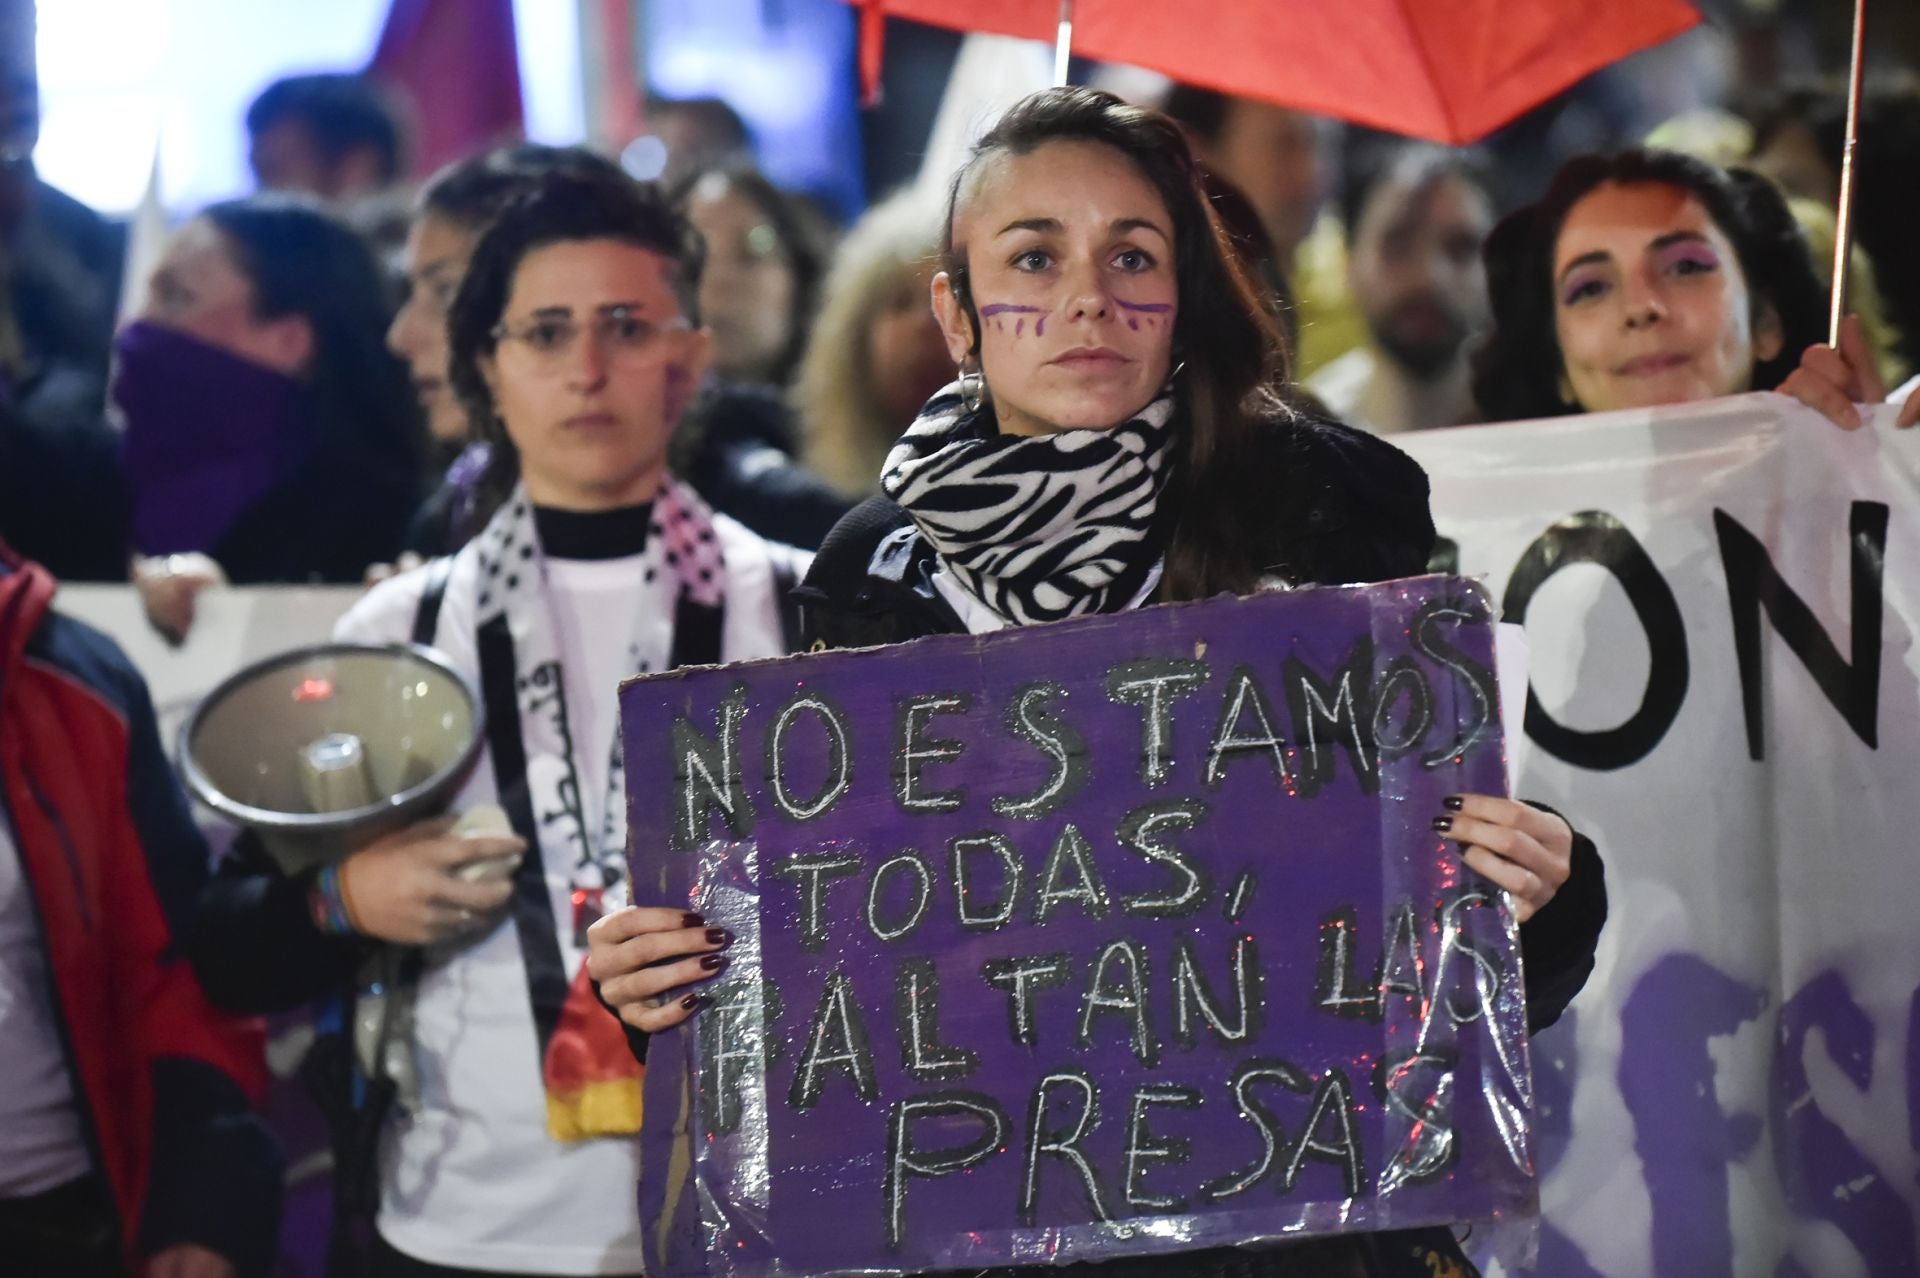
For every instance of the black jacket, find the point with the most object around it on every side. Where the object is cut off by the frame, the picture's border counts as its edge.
(1346, 507)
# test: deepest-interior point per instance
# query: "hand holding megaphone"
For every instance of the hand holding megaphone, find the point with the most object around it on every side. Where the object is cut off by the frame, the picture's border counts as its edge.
(431, 881)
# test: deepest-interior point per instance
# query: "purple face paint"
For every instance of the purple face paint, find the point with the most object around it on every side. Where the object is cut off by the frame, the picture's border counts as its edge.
(1152, 310)
(994, 309)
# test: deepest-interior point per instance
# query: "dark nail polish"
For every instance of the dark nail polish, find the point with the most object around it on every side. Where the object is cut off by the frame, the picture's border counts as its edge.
(1453, 803)
(692, 1001)
(719, 936)
(690, 919)
(713, 962)
(1442, 824)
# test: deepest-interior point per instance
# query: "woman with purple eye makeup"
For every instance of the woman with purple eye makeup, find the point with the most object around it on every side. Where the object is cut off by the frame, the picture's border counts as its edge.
(1640, 279)
(1121, 433)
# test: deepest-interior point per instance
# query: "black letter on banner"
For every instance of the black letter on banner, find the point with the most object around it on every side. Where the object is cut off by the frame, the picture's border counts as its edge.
(707, 776)
(1431, 1148)
(1001, 912)
(1088, 888)
(1193, 1001)
(1128, 997)
(1143, 1149)
(1754, 583)
(917, 750)
(1140, 832)
(1488, 972)
(922, 896)
(1403, 674)
(1154, 685)
(1400, 967)
(1334, 1098)
(1272, 1135)
(839, 774)
(904, 1161)
(1344, 709)
(1029, 719)
(1338, 987)
(732, 1047)
(1243, 695)
(1595, 537)
(917, 1014)
(1061, 1143)
(836, 1040)
(1476, 678)
(1020, 977)
(810, 872)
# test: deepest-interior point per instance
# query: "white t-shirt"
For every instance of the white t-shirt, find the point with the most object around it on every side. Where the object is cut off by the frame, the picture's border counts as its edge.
(470, 1179)
(42, 1144)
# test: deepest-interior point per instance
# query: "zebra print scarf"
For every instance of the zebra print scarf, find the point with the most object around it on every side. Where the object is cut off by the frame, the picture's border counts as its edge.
(1037, 528)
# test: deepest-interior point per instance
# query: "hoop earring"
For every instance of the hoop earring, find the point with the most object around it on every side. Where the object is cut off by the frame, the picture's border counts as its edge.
(973, 385)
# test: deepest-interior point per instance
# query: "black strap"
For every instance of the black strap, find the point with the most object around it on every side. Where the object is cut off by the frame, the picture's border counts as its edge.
(532, 909)
(426, 617)
(697, 630)
(783, 598)
(696, 633)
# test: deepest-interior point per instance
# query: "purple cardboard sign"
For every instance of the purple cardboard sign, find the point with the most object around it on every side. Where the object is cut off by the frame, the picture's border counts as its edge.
(1121, 935)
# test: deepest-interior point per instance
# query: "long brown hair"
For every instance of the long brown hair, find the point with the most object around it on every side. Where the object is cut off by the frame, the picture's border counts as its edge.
(1228, 353)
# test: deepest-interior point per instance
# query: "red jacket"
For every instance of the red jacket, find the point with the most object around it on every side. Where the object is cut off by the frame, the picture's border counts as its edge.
(166, 1084)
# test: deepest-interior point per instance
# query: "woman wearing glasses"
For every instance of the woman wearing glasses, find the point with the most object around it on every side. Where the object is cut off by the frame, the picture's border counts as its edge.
(574, 346)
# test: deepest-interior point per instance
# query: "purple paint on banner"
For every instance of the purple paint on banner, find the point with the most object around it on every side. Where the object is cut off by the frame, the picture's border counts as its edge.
(1122, 935)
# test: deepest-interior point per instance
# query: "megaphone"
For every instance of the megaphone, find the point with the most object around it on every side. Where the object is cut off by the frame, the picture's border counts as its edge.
(322, 749)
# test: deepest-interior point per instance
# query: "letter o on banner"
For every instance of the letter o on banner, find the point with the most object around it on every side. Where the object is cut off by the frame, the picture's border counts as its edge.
(1596, 537)
(838, 773)
(922, 896)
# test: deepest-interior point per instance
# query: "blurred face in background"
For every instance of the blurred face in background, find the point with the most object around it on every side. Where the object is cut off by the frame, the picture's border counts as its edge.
(1070, 259)
(198, 289)
(906, 353)
(594, 364)
(435, 260)
(1415, 269)
(1650, 304)
(285, 157)
(748, 290)
(1273, 155)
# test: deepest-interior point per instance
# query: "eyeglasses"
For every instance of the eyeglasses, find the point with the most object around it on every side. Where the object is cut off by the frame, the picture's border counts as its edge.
(552, 338)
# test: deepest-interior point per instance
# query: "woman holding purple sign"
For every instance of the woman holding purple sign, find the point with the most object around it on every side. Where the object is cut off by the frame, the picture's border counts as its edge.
(1120, 436)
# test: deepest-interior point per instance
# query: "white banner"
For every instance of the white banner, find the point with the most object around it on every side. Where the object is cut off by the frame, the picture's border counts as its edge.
(1721, 603)
(232, 628)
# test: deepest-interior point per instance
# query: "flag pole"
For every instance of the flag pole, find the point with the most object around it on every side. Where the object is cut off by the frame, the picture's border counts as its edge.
(1843, 218)
(1063, 43)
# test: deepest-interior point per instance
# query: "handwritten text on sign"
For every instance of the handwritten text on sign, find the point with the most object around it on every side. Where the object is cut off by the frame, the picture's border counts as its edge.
(1121, 935)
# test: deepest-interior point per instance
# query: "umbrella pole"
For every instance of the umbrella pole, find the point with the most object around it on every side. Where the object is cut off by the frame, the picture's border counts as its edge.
(1843, 218)
(1063, 43)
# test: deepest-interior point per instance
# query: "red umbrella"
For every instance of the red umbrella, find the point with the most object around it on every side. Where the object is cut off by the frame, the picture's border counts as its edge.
(1449, 70)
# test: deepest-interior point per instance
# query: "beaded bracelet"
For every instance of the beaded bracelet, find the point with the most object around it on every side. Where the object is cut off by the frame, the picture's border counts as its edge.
(328, 901)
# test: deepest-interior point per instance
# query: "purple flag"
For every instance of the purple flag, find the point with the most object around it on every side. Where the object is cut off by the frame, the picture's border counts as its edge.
(1120, 935)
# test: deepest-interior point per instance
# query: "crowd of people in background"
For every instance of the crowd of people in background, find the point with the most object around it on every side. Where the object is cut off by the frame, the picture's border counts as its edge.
(1375, 253)
(510, 395)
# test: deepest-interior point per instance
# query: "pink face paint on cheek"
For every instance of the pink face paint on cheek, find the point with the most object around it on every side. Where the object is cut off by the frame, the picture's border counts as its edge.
(679, 392)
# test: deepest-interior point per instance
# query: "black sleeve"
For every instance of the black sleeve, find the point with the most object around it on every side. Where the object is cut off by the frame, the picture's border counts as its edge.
(217, 1175)
(636, 1038)
(1558, 943)
(254, 944)
(1375, 522)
